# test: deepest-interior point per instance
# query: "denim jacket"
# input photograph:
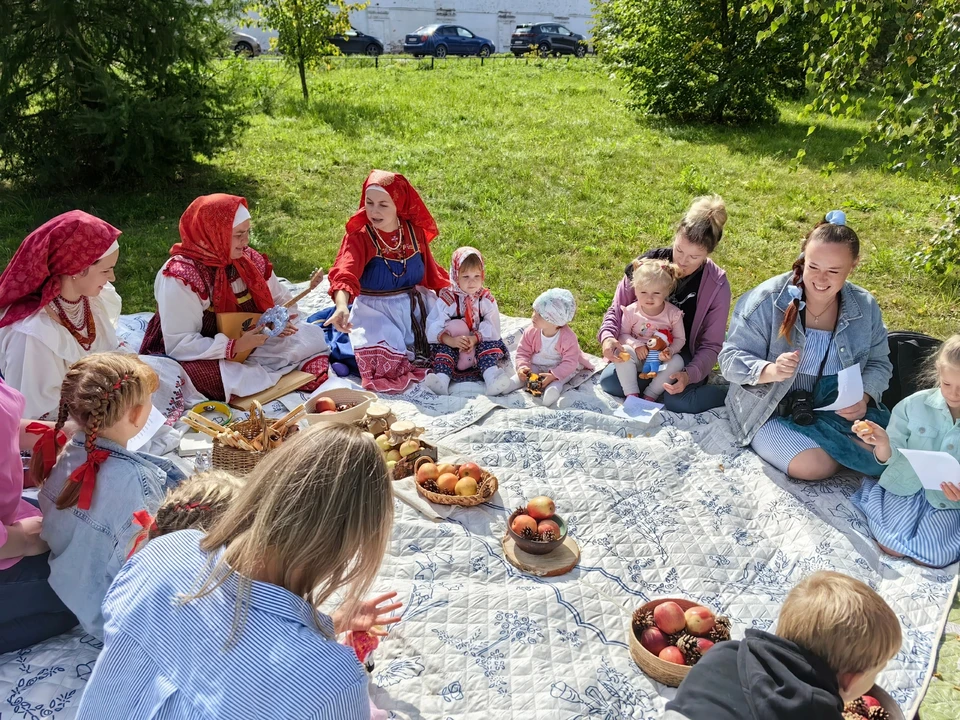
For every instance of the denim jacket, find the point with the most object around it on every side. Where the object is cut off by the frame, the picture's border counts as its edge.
(88, 547)
(920, 422)
(754, 341)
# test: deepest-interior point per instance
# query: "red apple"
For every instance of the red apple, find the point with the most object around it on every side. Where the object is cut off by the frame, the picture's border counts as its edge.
(325, 404)
(669, 617)
(541, 508)
(699, 620)
(448, 483)
(427, 471)
(870, 701)
(653, 640)
(550, 525)
(673, 655)
(522, 522)
(472, 470)
(703, 645)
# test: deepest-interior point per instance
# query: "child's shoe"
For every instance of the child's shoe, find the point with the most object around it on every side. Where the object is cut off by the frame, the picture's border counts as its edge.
(497, 381)
(437, 383)
(551, 394)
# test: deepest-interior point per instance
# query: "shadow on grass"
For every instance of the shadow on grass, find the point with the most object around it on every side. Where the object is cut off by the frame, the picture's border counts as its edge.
(347, 116)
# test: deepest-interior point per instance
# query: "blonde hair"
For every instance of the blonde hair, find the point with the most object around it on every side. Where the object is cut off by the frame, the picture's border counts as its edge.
(704, 221)
(841, 620)
(322, 506)
(947, 355)
(194, 504)
(654, 273)
(97, 392)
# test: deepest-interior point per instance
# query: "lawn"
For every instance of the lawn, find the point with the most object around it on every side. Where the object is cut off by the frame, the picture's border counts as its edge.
(540, 165)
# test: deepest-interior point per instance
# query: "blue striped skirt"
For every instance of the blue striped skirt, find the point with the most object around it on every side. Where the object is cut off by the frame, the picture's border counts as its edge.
(910, 524)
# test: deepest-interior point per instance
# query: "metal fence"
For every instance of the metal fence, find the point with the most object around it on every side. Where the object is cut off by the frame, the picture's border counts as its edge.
(375, 61)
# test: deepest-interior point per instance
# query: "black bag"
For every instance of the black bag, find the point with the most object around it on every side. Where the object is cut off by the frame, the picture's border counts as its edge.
(909, 352)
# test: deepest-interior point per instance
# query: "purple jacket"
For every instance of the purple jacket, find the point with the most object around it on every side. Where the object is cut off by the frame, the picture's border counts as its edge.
(709, 323)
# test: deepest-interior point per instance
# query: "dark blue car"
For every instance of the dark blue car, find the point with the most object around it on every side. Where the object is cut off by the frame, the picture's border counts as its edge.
(443, 40)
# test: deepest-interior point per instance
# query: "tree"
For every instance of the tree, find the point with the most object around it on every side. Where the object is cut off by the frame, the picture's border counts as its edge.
(698, 60)
(100, 90)
(914, 97)
(304, 28)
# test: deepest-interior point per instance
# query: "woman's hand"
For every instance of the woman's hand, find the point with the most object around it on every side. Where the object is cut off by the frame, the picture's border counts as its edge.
(291, 327)
(874, 435)
(611, 350)
(855, 411)
(783, 369)
(250, 341)
(23, 539)
(340, 319)
(951, 491)
(679, 384)
(368, 616)
(523, 372)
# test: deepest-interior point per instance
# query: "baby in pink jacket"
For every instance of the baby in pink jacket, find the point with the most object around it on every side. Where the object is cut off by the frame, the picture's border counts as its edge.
(549, 347)
(645, 320)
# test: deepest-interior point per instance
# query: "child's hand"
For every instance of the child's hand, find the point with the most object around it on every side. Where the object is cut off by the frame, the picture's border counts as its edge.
(951, 491)
(368, 616)
(467, 342)
(548, 378)
(871, 433)
(665, 354)
(450, 341)
(642, 352)
(523, 372)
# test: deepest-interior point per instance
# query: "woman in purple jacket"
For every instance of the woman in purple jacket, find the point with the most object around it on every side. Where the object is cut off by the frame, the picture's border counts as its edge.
(702, 293)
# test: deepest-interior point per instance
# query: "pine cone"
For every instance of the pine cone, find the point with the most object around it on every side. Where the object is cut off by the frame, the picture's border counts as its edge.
(721, 629)
(675, 638)
(519, 511)
(878, 713)
(858, 707)
(529, 534)
(431, 486)
(548, 536)
(687, 644)
(852, 716)
(642, 619)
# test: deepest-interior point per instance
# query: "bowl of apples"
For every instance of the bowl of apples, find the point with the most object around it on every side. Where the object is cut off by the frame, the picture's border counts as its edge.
(341, 405)
(536, 528)
(466, 484)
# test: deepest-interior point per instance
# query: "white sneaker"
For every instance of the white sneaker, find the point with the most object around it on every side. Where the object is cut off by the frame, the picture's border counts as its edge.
(497, 381)
(437, 383)
(551, 394)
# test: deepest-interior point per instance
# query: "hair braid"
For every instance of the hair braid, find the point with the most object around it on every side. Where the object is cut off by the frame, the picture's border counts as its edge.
(37, 459)
(793, 310)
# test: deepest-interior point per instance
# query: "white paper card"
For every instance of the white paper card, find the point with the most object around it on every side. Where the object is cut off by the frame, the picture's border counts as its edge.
(849, 389)
(332, 383)
(635, 408)
(933, 468)
(154, 423)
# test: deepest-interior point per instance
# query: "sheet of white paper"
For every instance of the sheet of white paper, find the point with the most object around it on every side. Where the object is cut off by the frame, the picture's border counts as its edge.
(635, 408)
(849, 389)
(333, 383)
(933, 468)
(154, 423)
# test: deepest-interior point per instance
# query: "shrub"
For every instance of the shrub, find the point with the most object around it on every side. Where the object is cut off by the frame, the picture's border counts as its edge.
(93, 91)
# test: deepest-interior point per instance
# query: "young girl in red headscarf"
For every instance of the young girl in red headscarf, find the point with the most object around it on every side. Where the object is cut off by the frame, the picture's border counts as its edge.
(214, 270)
(386, 270)
(57, 304)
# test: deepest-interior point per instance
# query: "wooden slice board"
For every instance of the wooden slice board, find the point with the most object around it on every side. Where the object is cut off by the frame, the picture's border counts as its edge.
(559, 562)
(287, 384)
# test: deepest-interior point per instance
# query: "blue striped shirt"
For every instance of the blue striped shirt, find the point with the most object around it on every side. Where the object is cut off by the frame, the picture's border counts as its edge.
(166, 660)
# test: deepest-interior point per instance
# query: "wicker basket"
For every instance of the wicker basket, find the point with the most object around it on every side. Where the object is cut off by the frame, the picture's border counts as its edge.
(485, 489)
(240, 462)
(662, 671)
(407, 466)
(342, 396)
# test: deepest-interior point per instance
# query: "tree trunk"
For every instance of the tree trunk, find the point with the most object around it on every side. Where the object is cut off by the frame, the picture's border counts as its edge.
(303, 79)
(723, 78)
(301, 60)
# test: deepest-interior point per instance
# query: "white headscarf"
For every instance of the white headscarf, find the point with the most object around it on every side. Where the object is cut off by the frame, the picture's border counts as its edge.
(557, 306)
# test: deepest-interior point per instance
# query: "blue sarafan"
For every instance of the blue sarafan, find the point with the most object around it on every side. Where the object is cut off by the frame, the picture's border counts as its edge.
(443, 40)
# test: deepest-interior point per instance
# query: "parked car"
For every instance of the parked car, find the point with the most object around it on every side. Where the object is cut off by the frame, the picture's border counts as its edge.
(443, 40)
(246, 45)
(354, 42)
(548, 39)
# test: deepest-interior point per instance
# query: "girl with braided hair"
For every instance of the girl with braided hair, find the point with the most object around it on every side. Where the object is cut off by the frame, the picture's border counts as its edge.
(89, 495)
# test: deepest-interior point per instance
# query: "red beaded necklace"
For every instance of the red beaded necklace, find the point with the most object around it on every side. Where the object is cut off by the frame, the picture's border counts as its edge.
(86, 322)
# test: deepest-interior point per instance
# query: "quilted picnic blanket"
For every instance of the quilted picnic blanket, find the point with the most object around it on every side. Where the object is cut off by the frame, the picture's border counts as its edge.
(672, 508)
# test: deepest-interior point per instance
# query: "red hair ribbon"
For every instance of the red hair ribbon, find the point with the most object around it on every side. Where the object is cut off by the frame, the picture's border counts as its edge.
(51, 440)
(193, 506)
(86, 475)
(147, 522)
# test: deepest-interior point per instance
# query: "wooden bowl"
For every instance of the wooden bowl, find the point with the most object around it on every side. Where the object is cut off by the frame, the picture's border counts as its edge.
(662, 671)
(360, 399)
(886, 702)
(537, 547)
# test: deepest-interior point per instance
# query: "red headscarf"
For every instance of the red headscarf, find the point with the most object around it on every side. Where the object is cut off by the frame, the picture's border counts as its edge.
(66, 245)
(206, 230)
(409, 204)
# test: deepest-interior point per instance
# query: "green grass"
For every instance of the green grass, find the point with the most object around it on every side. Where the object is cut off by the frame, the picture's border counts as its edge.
(541, 166)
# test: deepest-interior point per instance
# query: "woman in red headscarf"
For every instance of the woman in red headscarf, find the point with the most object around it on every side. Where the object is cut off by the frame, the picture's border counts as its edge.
(214, 270)
(386, 270)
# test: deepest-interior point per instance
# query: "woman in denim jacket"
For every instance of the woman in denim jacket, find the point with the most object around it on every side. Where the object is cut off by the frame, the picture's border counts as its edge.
(97, 485)
(783, 332)
(905, 519)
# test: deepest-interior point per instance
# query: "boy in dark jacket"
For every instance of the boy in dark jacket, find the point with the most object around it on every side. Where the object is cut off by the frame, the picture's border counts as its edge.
(834, 636)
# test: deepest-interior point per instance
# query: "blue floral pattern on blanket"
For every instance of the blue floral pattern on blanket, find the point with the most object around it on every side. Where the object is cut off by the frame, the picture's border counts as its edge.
(670, 508)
